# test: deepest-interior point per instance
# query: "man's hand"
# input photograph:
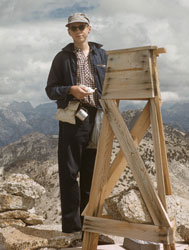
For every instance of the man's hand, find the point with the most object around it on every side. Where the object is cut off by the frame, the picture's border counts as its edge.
(78, 91)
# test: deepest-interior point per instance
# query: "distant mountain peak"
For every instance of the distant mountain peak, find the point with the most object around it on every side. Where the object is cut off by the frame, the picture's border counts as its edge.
(20, 106)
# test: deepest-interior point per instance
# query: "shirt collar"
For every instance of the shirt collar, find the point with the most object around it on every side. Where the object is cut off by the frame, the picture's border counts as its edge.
(78, 50)
(70, 47)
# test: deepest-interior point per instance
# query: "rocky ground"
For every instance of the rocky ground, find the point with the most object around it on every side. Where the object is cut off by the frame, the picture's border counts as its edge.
(36, 156)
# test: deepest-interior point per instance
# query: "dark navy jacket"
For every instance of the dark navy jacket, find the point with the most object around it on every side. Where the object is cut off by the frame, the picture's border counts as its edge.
(63, 73)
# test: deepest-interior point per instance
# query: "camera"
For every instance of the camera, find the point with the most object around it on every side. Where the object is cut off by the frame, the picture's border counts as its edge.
(81, 114)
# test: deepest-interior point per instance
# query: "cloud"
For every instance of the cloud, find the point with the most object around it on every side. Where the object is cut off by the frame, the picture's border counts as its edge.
(169, 96)
(26, 59)
(15, 11)
(33, 31)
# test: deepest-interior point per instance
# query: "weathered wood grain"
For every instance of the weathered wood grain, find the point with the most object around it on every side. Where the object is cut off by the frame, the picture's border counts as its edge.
(129, 230)
(157, 153)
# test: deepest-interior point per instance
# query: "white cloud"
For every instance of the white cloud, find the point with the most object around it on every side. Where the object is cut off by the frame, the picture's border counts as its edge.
(169, 96)
(184, 3)
(27, 58)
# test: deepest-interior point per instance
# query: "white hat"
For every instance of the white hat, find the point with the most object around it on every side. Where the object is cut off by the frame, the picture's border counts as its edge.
(78, 18)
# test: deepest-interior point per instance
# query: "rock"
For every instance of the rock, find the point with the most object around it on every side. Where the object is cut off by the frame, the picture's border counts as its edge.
(27, 218)
(22, 238)
(14, 202)
(131, 244)
(12, 207)
(11, 222)
(15, 214)
(184, 232)
(33, 219)
(21, 184)
(129, 206)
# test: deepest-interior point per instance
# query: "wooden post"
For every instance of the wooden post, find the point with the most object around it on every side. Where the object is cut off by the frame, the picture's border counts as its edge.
(100, 176)
(157, 100)
(157, 153)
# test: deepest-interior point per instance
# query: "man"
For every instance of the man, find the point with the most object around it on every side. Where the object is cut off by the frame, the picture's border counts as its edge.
(79, 64)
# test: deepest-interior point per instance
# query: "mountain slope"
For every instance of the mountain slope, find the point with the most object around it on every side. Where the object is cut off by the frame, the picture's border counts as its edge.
(20, 119)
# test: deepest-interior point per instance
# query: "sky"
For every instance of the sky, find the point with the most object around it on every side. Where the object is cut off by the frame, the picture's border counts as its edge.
(32, 32)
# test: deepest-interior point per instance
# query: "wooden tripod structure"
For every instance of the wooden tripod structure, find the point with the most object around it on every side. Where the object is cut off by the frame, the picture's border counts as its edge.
(131, 75)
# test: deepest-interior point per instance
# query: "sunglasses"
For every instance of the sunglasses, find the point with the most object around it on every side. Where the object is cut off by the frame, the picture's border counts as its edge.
(80, 27)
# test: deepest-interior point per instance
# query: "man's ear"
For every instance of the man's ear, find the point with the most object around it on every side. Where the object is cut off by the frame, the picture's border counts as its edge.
(69, 32)
(89, 29)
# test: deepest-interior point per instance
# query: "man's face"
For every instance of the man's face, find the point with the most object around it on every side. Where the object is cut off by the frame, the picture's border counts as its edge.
(79, 32)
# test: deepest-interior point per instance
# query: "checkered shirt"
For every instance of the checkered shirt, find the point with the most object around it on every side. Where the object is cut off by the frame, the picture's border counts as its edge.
(85, 76)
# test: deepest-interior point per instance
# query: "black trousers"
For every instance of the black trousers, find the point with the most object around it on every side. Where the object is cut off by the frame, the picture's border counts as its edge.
(74, 157)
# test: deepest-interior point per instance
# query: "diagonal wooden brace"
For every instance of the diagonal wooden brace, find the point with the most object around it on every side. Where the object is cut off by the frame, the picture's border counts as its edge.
(136, 164)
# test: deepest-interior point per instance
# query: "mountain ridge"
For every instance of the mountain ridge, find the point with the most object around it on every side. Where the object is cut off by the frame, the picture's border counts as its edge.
(21, 118)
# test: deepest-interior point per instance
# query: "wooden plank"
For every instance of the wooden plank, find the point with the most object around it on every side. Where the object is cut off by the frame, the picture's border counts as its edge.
(144, 232)
(168, 188)
(127, 85)
(136, 164)
(166, 247)
(174, 227)
(133, 75)
(173, 246)
(101, 166)
(90, 241)
(153, 47)
(117, 168)
(129, 80)
(159, 51)
(129, 60)
(169, 246)
(133, 85)
(143, 94)
(157, 153)
(100, 175)
(119, 164)
(110, 70)
(167, 180)
(142, 124)
(156, 83)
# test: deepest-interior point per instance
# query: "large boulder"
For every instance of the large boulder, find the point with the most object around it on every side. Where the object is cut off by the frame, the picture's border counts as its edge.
(128, 206)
